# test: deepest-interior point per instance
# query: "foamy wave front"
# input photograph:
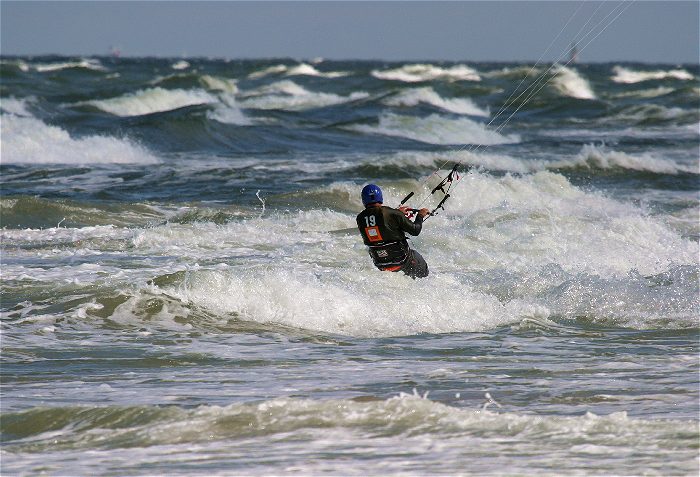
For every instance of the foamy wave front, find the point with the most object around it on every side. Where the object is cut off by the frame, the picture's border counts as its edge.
(425, 72)
(15, 106)
(599, 157)
(90, 64)
(27, 140)
(629, 76)
(288, 95)
(346, 303)
(153, 100)
(215, 83)
(427, 95)
(302, 69)
(344, 423)
(569, 82)
(542, 218)
(590, 156)
(180, 65)
(435, 129)
(270, 70)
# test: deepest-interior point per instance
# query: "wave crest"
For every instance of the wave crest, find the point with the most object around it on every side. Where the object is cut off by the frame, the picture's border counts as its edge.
(153, 100)
(27, 140)
(435, 129)
(570, 83)
(413, 97)
(416, 73)
(629, 76)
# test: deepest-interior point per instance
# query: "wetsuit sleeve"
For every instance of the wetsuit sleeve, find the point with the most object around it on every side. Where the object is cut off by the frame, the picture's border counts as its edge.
(411, 228)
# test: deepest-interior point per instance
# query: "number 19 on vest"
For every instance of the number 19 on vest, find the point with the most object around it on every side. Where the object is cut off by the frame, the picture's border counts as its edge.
(371, 229)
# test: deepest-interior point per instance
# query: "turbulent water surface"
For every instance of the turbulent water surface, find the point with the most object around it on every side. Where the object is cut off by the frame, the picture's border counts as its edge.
(183, 292)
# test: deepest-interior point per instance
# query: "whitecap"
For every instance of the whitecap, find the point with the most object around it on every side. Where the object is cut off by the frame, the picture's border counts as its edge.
(180, 65)
(215, 83)
(90, 64)
(569, 82)
(414, 73)
(151, 100)
(427, 95)
(628, 76)
(600, 157)
(288, 95)
(16, 106)
(270, 70)
(435, 129)
(304, 69)
(27, 140)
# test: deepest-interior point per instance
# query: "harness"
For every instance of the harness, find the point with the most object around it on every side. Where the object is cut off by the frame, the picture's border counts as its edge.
(390, 256)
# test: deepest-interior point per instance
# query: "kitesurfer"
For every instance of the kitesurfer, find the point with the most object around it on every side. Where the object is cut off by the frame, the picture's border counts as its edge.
(383, 230)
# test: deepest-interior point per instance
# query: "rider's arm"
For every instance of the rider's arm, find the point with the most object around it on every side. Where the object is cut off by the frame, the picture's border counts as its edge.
(411, 228)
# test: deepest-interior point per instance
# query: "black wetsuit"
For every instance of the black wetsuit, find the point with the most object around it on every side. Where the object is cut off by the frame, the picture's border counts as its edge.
(383, 230)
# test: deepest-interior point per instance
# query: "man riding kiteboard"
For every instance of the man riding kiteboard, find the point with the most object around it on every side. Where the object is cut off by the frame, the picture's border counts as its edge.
(383, 230)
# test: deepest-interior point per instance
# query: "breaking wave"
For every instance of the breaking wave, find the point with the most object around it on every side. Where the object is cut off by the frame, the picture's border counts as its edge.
(89, 64)
(288, 95)
(27, 140)
(570, 83)
(152, 100)
(416, 73)
(427, 95)
(628, 76)
(435, 129)
(598, 157)
(302, 69)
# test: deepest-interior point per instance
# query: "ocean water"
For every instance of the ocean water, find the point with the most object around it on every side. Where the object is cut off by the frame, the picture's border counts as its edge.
(183, 292)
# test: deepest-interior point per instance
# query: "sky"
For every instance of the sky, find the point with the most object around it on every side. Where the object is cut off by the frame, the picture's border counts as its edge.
(646, 31)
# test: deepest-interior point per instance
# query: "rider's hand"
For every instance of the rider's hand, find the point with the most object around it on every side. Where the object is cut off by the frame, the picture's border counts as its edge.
(406, 211)
(423, 212)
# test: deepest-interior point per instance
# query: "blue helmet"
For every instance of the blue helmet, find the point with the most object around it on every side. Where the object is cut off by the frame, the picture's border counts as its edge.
(371, 193)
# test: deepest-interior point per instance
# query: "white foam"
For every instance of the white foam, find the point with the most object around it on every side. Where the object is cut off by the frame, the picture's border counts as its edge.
(288, 95)
(286, 87)
(180, 65)
(27, 140)
(226, 85)
(20, 64)
(90, 64)
(413, 97)
(514, 72)
(344, 302)
(497, 254)
(270, 70)
(646, 93)
(292, 436)
(644, 112)
(152, 100)
(467, 157)
(415, 73)
(304, 69)
(229, 112)
(629, 76)
(602, 158)
(526, 223)
(590, 156)
(15, 106)
(569, 82)
(493, 227)
(435, 129)
(611, 134)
